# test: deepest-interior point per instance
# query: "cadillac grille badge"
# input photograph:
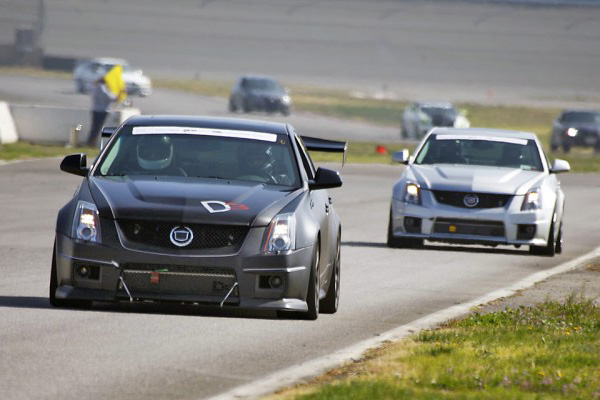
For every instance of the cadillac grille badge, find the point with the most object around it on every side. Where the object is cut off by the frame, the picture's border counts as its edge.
(181, 236)
(471, 200)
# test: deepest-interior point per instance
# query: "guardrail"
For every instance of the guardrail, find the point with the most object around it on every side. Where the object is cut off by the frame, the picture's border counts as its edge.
(50, 125)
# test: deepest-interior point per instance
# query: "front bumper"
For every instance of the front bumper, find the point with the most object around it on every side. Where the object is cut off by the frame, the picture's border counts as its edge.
(268, 104)
(240, 278)
(489, 226)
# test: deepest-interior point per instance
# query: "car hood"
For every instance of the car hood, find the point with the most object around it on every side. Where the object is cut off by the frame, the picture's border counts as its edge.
(191, 200)
(471, 178)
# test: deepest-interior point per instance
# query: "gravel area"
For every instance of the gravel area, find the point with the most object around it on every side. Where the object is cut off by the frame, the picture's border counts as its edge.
(584, 281)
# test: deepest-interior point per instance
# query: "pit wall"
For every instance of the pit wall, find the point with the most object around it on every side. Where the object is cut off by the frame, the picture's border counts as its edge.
(50, 125)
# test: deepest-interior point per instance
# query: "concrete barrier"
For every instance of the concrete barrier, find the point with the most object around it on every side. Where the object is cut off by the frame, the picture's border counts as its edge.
(51, 125)
(8, 131)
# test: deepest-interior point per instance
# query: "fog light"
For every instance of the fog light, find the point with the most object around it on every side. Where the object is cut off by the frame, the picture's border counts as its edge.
(526, 231)
(83, 271)
(412, 224)
(275, 281)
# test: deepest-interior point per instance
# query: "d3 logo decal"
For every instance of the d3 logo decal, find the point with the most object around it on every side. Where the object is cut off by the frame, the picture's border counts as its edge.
(217, 206)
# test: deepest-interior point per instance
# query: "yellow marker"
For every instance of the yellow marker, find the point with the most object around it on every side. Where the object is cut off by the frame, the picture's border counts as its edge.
(452, 228)
(116, 84)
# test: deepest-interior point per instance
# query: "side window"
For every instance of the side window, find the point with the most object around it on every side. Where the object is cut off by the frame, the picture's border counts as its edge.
(306, 161)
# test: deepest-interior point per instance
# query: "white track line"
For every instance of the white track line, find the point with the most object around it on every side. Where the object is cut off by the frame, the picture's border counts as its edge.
(310, 369)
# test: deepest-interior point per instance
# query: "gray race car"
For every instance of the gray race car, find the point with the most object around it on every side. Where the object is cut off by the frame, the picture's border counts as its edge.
(201, 210)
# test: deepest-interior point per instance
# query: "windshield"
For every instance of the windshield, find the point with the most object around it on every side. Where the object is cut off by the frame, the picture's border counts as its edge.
(440, 111)
(581, 117)
(263, 84)
(482, 150)
(201, 153)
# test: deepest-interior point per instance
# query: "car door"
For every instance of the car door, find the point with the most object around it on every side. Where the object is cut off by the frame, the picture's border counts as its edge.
(322, 210)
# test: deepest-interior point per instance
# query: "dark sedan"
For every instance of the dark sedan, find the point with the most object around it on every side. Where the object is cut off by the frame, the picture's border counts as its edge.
(259, 93)
(201, 210)
(576, 128)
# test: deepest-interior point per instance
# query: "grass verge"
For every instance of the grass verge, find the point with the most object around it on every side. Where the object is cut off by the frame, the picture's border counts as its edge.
(24, 150)
(545, 352)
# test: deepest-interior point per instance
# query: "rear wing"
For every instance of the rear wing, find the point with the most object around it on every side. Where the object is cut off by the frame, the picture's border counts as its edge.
(328, 146)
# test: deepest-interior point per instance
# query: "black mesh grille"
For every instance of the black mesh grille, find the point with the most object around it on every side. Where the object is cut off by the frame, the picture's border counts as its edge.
(469, 227)
(157, 234)
(486, 200)
(146, 279)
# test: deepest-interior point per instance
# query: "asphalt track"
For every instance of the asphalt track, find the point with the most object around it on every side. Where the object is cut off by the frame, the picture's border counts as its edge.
(468, 51)
(454, 50)
(149, 351)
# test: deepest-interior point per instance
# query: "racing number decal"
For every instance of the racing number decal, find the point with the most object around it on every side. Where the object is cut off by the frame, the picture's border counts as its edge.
(217, 206)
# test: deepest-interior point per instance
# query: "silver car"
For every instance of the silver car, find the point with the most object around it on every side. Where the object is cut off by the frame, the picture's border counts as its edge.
(478, 186)
(87, 72)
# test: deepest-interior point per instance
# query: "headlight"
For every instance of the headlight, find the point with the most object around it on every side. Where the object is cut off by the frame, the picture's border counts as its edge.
(86, 224)
(572, 132)
(282, 234)
(286, 99)
(531, 201)
(412, 193)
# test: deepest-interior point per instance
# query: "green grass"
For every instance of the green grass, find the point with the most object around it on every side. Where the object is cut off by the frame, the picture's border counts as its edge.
(551, 351)
(24, 150)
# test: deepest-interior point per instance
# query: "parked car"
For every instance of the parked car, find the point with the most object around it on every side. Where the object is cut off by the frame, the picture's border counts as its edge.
(259, 93)
(201, 210)
(419, 117)
(87, 72)
(576, 128)
(478, 186)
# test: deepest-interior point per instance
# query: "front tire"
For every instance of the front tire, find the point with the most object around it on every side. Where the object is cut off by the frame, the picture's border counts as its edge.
(330, 303)
(232, 106)
(559, 241)
(312, 294)
(549, 249)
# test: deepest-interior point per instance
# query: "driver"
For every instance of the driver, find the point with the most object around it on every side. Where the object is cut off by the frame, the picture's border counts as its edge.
(256, 161)
(154, 152)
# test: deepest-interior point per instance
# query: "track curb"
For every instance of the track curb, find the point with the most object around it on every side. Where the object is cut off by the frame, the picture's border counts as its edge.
(313, 368)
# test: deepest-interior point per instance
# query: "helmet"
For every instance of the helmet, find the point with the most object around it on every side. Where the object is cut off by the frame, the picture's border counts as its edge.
(154, 152)
(257, 159)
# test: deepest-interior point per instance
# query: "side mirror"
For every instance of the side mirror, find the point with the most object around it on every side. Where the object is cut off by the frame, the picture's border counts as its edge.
(401, 157)
(325, 179)
(75, 164)
(108, 132)
(560, 166)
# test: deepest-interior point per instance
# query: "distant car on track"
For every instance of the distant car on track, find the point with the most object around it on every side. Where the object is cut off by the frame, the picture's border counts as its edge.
(576, 128)
(87, 72)
(259, 93)
(419, 117)
(201, 210)
(478, 186)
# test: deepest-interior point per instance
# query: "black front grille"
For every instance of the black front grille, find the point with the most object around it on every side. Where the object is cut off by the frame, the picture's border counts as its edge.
(469, 227)
(456, 199)
(158, 234)
(146, 279)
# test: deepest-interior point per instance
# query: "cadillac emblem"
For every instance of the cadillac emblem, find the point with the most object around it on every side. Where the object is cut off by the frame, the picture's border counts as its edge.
(471, 200)
(181, 236)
